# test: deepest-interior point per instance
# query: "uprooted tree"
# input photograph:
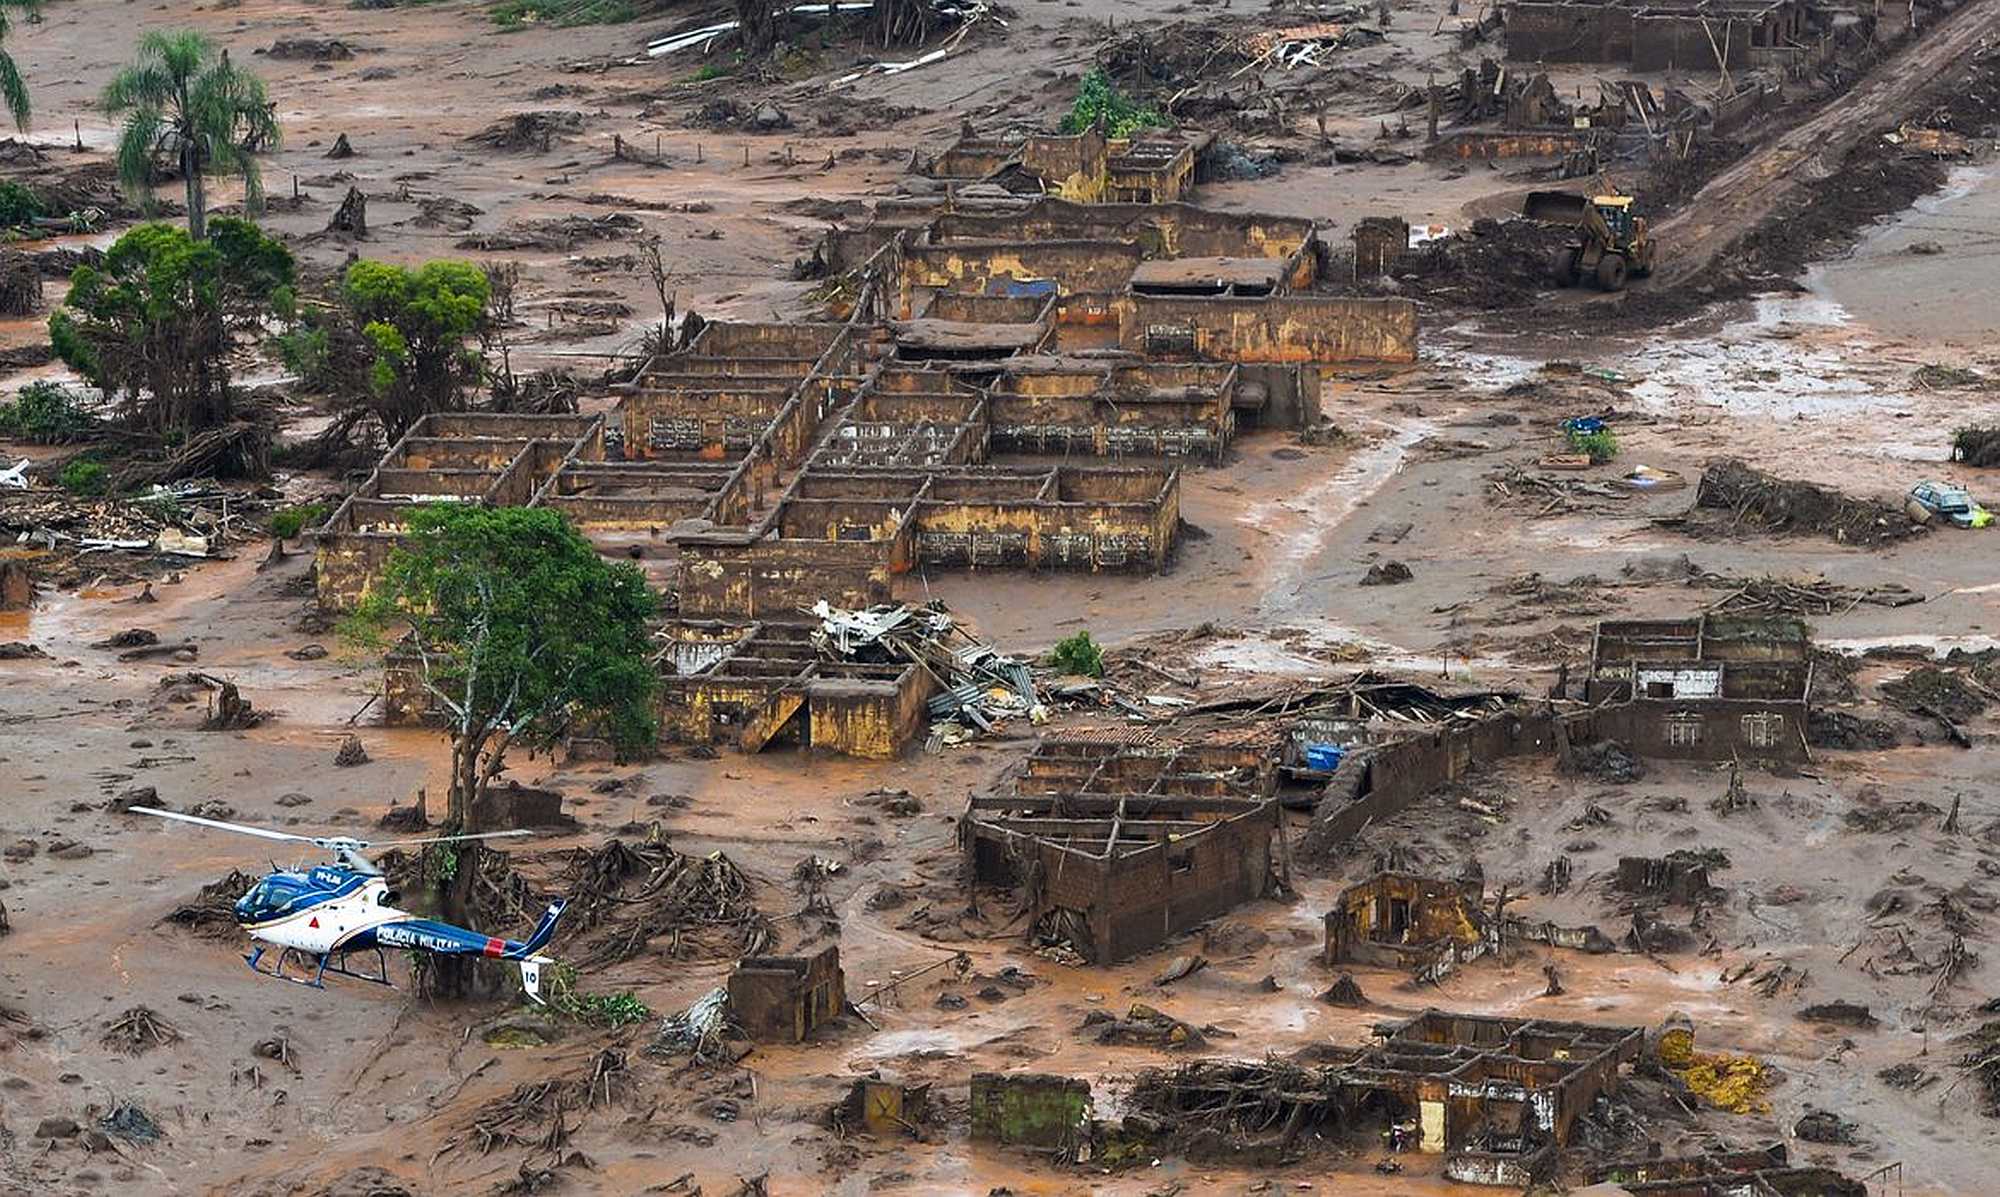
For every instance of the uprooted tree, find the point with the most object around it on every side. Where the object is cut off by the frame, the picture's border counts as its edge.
(156, 327)
(523, 635)
(395, 344)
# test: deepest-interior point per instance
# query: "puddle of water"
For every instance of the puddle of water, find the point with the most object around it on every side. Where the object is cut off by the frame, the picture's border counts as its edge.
(1938, 645)
(917, 1039)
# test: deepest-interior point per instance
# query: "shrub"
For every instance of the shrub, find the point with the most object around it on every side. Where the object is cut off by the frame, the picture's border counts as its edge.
(84, 477)
(18, 205)
(304, 351)
(1098, 100)
(287, 522)
(1599, 446)
(519, 14)
(44, 414)
(1079, 655)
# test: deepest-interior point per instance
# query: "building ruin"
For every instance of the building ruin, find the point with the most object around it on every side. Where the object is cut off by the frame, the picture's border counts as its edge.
(1498, 1098)
(1709, 688)
(1116, 847)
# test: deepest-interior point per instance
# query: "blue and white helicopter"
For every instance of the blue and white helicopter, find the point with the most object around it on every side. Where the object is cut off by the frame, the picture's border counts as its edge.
(319, 915)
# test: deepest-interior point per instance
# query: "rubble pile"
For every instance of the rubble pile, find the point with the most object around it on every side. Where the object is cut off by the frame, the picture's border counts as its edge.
(1228, 1103)
(1791, 507)
(212, 911)
(1492, 265)
(537, 1115)
(980, 686)
(625, 895)
(1770, 595)
(1976, 447)
(159, 527)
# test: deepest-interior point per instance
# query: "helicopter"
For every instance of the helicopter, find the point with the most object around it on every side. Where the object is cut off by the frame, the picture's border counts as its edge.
(321, 914)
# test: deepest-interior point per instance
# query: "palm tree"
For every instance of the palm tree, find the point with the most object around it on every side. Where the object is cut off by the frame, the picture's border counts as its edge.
(184, 98)
(13, 90)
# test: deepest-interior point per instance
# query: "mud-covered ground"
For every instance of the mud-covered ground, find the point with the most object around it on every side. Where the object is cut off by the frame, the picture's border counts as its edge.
(1438, 469)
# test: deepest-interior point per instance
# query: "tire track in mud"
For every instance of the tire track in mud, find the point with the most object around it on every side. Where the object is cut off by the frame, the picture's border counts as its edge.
(1744, 196)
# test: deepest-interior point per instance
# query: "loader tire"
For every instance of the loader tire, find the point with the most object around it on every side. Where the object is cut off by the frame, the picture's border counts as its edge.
(1611, 272)
(1563, 267)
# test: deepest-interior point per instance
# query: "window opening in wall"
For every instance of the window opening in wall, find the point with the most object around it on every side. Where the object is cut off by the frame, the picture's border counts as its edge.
(1762, 730)
(1683, 729)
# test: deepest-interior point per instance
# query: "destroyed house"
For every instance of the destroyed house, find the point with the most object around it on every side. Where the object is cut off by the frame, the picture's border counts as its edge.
(1497, 1096)
(1082, 167)
(1400, 919)
(754, 684)
(1431, 925)
(1683, 35)
(1116, 851)
(860, 683)
(1764, 1172)
(782, 999)
(460, 457)
(1707, 688)
(764, 473)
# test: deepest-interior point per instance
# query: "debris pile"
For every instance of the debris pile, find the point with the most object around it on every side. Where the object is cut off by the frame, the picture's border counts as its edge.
(556, 232)
(979, 686)
(1146, 1025)
(212, 911)
(538, 1115)
(701, 1031)
(627, 894)
(1976, 446)
(526, 132)
(1229, 1103)
(1982, 1061)
(160, 528)
(1491, 265)
(138, 1031)
(1935, 691)
(1770, 595)
(1798, 508)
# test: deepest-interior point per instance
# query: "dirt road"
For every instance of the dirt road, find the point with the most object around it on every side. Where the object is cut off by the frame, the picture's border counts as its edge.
(1758, 188)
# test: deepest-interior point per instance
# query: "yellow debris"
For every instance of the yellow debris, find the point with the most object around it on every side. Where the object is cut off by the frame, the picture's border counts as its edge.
(1677, 1049)
(1732, 1083)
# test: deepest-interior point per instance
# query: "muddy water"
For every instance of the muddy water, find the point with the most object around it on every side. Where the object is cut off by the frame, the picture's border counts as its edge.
(1944, 296)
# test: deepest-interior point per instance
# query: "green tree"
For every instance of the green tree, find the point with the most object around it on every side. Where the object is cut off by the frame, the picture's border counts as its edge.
(14, 89)
(522, 634)
(413, 328)
(156, 324)
(184, 101)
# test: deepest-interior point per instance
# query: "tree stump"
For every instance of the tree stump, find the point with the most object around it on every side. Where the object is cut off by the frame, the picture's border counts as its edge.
(352, 218)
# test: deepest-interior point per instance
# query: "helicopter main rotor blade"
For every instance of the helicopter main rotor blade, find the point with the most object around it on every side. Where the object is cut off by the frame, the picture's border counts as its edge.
(442, 839)
(240, 829)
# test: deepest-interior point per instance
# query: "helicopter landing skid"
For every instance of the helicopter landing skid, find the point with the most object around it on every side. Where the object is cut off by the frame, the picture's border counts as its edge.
(319, 964)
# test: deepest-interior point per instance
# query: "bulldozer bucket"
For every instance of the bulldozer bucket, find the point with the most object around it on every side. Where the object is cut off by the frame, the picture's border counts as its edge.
(1555, 207)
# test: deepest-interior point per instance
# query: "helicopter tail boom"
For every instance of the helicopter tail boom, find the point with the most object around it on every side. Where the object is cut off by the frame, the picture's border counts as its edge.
(544, 931)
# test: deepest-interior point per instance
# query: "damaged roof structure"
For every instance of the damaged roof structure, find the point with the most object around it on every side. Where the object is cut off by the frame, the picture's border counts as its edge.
(768, 466)
(1498, 1098)
(1708, 688)
(1431, 925)
(1153, 167)
(1119, 843)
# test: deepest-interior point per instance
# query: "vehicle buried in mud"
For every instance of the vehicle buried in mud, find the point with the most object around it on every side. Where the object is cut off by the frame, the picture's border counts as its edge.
(1951, 504)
